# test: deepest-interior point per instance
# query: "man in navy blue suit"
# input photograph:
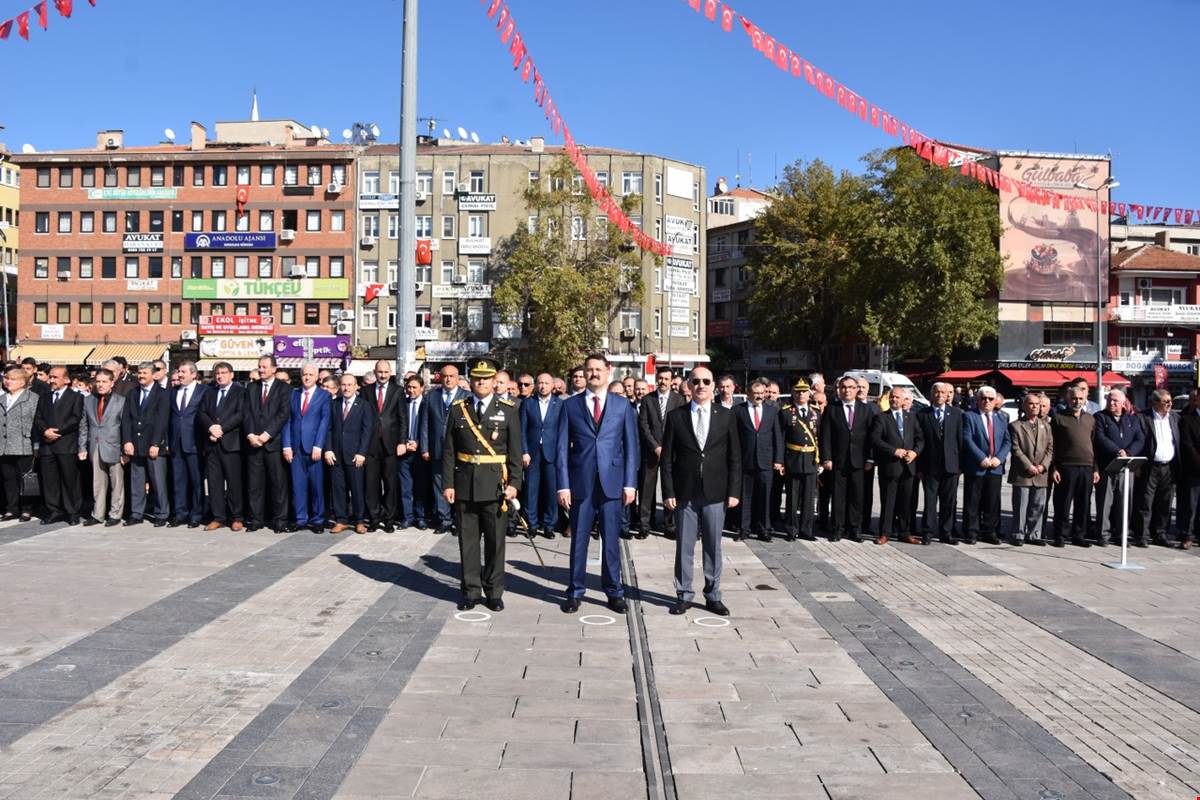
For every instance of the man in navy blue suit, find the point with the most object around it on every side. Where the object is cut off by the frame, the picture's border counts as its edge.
(185, 449)
(761, 440)
(986, 445)
(414, 472)
(350, 427)
(539, 435)
(432, 433)
(304, 438)
(597, 465)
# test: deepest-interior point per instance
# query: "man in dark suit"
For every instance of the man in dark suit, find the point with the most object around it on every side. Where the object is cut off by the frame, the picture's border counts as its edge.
(1155, 490)
(304, 439)
(941, 428)
(897, 440)
(432, 432)
(386, 401)
(56, 429)
(184, 444)
(539, 441)
(350, 426)
(220, 418)
(144, 430)
(414, 472)
(986, 445)
(1188, 512)
(701, 477)
(843, 440)
(761, 441)
(597, 469)
(654, 410)
(799, 422)
(1118, 434)
(267, 401)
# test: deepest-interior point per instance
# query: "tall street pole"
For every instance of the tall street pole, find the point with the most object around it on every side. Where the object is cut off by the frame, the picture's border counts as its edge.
(406, 300)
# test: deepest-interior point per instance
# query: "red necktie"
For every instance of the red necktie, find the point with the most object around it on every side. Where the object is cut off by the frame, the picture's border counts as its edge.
(596, 409)
(991, 435)
(264, 399)
(381, 399)
(100, 409)
(304, 404)
(346, 408)
(756, 418)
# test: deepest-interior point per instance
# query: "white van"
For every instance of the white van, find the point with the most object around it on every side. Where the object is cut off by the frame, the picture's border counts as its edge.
(880, 383)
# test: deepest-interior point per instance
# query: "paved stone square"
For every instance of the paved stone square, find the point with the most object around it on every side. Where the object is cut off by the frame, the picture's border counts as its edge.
(150, 663)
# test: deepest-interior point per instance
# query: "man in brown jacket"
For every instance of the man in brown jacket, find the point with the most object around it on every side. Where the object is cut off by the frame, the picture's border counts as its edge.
(1032, 454)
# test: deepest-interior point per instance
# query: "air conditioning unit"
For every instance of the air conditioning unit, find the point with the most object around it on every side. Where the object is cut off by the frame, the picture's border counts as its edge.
(111, 144)
(629, 334)
(421, 197)
(368, 241)
(333, 188)
(464, 187)
(287, 235)
(459, 280)
(1145, 283)
(347, 315)
(187, 336)
(297, 271)
(344, 328)
(391, 339)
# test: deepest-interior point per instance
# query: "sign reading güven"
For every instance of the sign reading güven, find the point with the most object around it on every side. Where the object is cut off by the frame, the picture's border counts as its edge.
(229, 241)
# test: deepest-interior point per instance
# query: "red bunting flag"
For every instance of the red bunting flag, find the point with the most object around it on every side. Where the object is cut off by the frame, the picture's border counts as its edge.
(5, 28)
(695, 4)
(40, 8)
(64, 7)
(726, 18)
(710, 9)
(23, 25)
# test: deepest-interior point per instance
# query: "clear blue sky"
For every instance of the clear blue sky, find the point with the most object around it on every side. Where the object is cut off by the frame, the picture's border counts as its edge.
(648, 75)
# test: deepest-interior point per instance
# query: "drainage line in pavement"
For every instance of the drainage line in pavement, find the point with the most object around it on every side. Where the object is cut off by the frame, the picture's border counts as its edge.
(660, 783)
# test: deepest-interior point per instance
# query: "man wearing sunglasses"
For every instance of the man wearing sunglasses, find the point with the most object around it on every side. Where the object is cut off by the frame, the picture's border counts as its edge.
(701, 476)
(1156, 485)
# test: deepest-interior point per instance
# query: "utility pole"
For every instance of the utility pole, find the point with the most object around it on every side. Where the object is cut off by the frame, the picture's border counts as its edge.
(406, 301)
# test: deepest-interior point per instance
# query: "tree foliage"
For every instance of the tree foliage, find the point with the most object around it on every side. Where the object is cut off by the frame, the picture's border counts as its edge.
(564, 286)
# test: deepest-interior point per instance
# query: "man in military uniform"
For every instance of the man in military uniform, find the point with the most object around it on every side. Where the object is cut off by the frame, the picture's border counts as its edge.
(481, 473)
(801, 460)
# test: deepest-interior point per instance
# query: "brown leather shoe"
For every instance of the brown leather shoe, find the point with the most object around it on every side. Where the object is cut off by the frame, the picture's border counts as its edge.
(212, 526)
(339, 527)
(911, 540)
(237, 525)
(881, 539)
(1186, 544)
(360, 528)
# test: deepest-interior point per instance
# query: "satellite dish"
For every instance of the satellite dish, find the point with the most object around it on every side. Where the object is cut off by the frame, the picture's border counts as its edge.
(170, 134)
(462, 132)
(446, 133)
(375, 130)
(27, 148)
(474, 137)
(315, 130)
(346, 134)
(325, 133)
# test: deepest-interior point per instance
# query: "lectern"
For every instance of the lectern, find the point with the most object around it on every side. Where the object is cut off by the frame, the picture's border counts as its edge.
(1125, 466)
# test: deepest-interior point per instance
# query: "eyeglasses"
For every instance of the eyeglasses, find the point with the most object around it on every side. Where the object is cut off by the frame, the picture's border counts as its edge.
(701, 381)
(526, 383)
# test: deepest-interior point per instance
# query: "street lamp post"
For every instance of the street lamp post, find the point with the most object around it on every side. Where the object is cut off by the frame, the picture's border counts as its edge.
(1109, 183)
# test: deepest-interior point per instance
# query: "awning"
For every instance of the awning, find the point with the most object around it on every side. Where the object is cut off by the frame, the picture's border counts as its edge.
(962, 375)
(292, 362)
(54, 354)
(1034, 378)
(361, 366)
(133, 353)
(238, 364)
(1110, 378)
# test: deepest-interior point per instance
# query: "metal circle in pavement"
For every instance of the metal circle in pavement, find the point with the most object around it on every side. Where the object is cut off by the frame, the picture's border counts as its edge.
(711, 622)
(597, 619)
(472, 616)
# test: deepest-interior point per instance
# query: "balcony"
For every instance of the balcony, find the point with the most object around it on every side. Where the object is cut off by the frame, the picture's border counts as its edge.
(1157, 313)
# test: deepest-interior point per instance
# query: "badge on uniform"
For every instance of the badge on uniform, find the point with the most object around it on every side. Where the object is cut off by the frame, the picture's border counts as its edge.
(495, 434)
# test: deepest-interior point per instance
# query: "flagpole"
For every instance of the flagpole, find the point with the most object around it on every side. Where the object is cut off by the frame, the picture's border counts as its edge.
(406, 301)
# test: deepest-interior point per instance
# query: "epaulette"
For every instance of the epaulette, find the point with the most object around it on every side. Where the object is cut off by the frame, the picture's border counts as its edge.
(504, 402)
(459, 402)
(785, 406)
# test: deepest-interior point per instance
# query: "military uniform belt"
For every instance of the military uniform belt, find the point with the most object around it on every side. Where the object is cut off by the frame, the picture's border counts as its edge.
(801, 448)
(467, 458)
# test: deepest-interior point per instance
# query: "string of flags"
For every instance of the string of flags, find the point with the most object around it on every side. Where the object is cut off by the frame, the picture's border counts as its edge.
(41, 13)
(789, 61)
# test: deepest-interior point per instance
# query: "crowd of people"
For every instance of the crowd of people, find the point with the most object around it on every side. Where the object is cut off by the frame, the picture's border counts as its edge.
(329, 452)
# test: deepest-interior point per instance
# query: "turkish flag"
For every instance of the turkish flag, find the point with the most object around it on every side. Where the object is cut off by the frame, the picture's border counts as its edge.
(64, 7)
(5, 29)
(651, 367)
(1187, 217)
(23, 25)
(372, 291)
(92, 3)
(726, 18)
(710, 9)
(695, 4)
(243, 197)
(40, 8)
(424, 252)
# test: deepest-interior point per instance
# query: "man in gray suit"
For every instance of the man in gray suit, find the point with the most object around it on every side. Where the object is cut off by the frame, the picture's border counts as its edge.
(100, 438)
(1032, 455)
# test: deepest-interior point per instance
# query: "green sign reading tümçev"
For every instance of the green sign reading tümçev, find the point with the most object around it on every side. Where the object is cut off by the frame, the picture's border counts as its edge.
(266, 289)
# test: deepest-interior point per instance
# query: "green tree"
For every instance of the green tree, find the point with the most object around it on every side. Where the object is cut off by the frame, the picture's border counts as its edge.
(566, 281)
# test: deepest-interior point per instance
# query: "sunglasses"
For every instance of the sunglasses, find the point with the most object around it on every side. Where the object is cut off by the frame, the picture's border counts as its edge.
(526, 383)
(701, 381)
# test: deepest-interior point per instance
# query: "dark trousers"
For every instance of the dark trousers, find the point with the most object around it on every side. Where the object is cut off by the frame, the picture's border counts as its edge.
(189, 487)
(267, 487)
(584, 511)
(868, 499)
(647, 496)
(349, 506)
(414, 488)
(1153, 497)
(981, 506)
(143, 470)
(801, 503)
(756, 496)
(776, 509)
(444, 514)
(383, 471)
(847, 494)
(484, 521)
(541, 508)
(224, 473)
(308, 489)
(941, 504)
(60, 483)
(1187, 512)
(12, 470)
(824, 499)
(895, 500)
(1072, 497)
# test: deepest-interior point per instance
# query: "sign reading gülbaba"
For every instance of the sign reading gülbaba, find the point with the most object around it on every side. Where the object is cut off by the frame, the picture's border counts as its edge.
(266, 288)
(228, 241)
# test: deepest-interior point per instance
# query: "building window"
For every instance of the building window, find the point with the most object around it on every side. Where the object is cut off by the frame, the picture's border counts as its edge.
(337, 220)
(85, 313)
(448, 221)
(474, 318)
(108, 220)
(602, 178)
(557, 184)
(476, 271)
(658, 229)
(194, 311)
(424, 226)
(312, 220)
(41, 313)
(391, 318)
(312, 266)
(133, 221)
(108, 268)
(176, 312)
(131, 313)
(131, 267)
(133, 176)
(64, 222)
(216, 308)
(531, 223)
(158, 176)
(658, 322)
(394, 182)
(218, 267)
(263, 309)
(110, 177)
(197, 267)
(154, 266)
(177, 267)
(177, 221)
(424, 318)
(370, 272)
(291, 174)
(393, 225)
(66, 177)
(266, 220)
(393, 272)
(1059, 333)
(287, 267)
(43, 177)
(218, 220)
(62, 313)
(370, 181)
(577, 184)
(631, 183)
(198, 175)
(266, 175)
(312, 313)
(447, 318)
(154, 313)
(177, 175)
(477, 181)
(41, 222)
(87, 177)
(578, 229)
(337, 174)
(287, 313)
(636, 219)
(241, 222)
(220, 175)
(447, 272)
(41, 268)
(449, 182)
(314, 174)
(534, 177)
(424, 183)
(337, 267)
(63, 268)
(197, 220)
(108, 313)
(370, 319)
(370, 226)
(242, 174)
(695, 197)
(476, 225)
(156, 221)
(424, 273)
(85, 268)
(265, 265)
(241, 266)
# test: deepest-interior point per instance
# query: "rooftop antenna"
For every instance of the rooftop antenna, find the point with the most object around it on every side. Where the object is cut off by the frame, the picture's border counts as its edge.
(737, 176)
(750, 168)
(446, 133)
(315, 130)
(462, 132)
(170, 134)
(474, 137)
(347, 133)
(254, 106)
(27, 148)
(325, 133)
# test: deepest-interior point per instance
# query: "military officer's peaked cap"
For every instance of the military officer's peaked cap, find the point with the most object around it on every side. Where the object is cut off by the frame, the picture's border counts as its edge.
(484, 368)
(800, 385)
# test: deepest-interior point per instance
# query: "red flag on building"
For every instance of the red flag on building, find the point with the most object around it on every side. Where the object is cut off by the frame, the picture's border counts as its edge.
(372, 291)
(424, 252)
(243, 197)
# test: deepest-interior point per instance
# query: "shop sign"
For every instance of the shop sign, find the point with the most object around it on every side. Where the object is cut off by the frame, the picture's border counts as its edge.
(131, 194)
(312, 346)
(142, 243)
(266, 288)
(228, 241)
(476, 202)
(235, 346)
(235, 324)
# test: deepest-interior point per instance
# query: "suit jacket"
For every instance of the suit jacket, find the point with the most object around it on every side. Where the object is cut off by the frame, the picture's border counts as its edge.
(1032, 445)
(229, 416)
(268, 418)
(943, 442)
(183, 437)
(1152, 438)
(537, 435)
(651, 422)
(103, 436)
(844, 446)
(351, 436)
(146, 426)
(976, 445)
(1113, 435)
(710, 475)
(16, 424)
(391, 424)
(762, 448)
(886, 438)
(66, 416)
(1189, 444)
(586, 450)
(124, 386)
(434, 412)
(310, 429)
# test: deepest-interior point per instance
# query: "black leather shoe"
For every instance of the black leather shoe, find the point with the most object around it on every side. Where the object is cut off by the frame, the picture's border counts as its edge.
(679, 607)
(1038, 542)
(716, 607)
(989, 539)
(387, 527)
(129, 523)
(90, 521)
(764, 537)
(547, 533)
(836, 537)
(596, 535)
(669, 535)
(73, 520)
(1058, 542)
(317, 528)
(253, 526)
(420, 525)
(641, 535)
(626, 535)
(110, 523)
(789, 537)
(739, 537)
(467, 603)
(617, 605)
(175, 523)
(53, 518)
(1140, 543)
(159, 523)
(855, 537)
(1080, 542)
(1161, 541)
(570, 605)
(1016, 541)
(494, 605)
(193, 524)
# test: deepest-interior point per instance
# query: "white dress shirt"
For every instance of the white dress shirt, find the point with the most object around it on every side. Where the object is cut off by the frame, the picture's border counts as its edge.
(1164, 441)
(701, 411)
